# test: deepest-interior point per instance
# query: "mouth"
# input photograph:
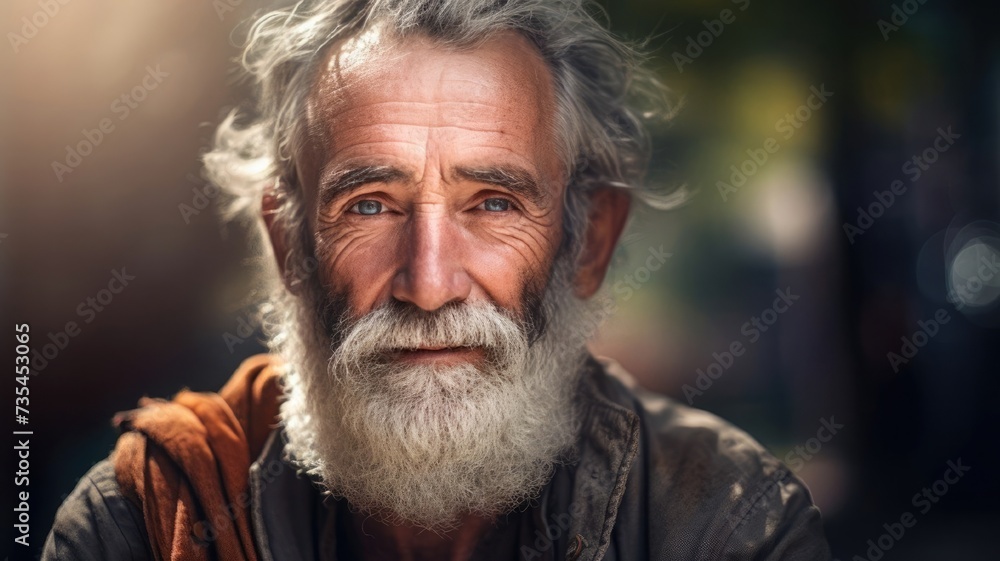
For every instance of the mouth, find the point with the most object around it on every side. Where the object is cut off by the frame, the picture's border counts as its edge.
(439, 355)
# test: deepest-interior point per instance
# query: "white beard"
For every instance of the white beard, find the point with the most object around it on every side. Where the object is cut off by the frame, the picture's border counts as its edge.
(425, 444)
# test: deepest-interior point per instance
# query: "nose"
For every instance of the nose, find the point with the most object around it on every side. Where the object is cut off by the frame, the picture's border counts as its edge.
(432, 273)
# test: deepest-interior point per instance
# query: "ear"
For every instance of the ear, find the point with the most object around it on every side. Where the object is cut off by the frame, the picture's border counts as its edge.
(609, 209)
(270, 203)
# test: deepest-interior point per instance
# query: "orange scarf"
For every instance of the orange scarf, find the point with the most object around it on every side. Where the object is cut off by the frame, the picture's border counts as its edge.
(187, 463)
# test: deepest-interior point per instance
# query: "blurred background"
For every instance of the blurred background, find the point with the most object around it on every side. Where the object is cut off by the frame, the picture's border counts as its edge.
(843, 154)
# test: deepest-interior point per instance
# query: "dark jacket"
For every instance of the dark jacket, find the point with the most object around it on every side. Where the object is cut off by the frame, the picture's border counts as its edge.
(652, 479)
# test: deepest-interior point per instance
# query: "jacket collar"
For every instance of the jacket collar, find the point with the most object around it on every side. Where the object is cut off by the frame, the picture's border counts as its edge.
(577, 508)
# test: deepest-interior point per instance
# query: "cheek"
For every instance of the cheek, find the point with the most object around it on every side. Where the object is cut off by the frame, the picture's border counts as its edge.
(358, 263)
(506, 262)
(503, 259)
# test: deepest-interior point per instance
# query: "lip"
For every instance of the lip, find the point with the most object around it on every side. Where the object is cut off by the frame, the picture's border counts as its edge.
(439, 354)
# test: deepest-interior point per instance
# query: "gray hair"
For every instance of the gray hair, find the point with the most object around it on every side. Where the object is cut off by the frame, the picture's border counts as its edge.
(604, 95)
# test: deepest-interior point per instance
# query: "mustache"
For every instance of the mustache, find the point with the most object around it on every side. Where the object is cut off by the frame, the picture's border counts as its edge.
(404, 326)
(375, 338)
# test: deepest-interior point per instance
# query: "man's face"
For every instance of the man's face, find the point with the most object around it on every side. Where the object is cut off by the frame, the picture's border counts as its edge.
(421, 385)
(431, 177)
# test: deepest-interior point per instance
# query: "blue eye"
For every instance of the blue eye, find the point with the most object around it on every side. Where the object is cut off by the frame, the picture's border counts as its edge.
(496, 205)
(367, 208)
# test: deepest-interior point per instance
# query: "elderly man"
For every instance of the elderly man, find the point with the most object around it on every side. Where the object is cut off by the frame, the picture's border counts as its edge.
(441, 184)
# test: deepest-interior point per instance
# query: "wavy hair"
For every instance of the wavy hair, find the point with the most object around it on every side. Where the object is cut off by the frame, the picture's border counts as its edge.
(604, 95)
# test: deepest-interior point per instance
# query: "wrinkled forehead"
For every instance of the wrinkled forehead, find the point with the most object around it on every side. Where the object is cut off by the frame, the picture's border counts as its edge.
(379, 71)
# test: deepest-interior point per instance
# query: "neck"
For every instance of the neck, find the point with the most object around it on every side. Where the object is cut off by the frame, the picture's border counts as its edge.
(376, 541)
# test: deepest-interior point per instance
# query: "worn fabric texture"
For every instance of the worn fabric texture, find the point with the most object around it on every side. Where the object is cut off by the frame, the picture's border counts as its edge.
(187, 463)
(649, 479)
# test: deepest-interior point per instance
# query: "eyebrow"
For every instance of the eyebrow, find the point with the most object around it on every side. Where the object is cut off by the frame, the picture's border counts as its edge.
(343, 181)
(514, 179)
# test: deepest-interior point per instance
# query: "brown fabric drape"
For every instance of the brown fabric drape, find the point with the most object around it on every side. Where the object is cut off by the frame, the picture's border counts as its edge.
(187, 461)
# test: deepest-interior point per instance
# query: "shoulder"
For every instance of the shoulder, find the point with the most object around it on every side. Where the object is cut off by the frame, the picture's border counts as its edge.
(96, 521)
(709, 483)
(692, 440)
(689, 439)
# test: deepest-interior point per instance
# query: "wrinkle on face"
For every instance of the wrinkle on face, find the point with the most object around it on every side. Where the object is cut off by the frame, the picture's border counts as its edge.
(432, 113)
